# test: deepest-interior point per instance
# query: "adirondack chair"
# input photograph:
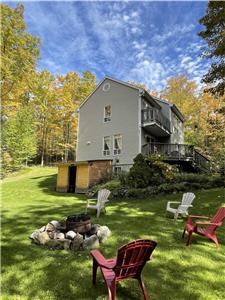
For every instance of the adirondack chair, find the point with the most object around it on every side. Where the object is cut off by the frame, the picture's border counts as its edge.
(130, 261)
(101, 201)
(183, 206)
(209, 227)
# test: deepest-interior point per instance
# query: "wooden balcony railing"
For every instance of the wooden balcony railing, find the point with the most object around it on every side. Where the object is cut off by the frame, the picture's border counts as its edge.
(177, 152)
(150, 115)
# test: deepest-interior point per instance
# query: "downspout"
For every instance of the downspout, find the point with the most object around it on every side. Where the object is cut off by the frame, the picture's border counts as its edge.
(141, 92)
(78, 129)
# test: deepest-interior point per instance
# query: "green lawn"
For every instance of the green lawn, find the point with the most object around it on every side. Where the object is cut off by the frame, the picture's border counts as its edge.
(177, 272)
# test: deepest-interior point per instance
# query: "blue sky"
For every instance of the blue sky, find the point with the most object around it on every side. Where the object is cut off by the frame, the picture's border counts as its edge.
(147, 42)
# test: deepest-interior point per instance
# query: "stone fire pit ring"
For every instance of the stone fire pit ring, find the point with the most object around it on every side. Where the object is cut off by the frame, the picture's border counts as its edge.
(75, 233)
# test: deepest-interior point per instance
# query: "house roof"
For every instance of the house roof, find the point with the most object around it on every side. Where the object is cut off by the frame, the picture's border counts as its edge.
(113, 79)
(144, 93)
(174, 108)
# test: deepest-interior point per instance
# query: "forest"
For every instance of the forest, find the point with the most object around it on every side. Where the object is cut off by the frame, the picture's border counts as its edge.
(39, 109)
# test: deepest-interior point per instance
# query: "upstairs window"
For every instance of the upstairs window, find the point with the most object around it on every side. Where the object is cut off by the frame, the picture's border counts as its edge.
(117, 144)
(106, 145)
(107, 113)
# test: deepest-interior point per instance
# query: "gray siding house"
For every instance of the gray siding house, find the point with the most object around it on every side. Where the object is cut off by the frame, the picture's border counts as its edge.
(119, 120)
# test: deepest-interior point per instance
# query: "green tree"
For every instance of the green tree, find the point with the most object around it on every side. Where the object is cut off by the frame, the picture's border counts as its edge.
(18, 140)
(214, 35)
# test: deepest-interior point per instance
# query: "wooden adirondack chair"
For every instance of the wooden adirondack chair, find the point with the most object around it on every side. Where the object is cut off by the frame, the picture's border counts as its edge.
(183, 206)
(209, 227)
(101, 201)
(129, 263)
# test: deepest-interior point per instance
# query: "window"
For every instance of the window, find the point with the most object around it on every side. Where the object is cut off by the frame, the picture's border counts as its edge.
(117, 144)
(107, 113)
(117, 170)
(106, 87)
(106, 145)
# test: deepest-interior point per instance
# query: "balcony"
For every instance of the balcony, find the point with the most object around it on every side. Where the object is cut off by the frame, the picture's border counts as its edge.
(178, 153)
(155, 122)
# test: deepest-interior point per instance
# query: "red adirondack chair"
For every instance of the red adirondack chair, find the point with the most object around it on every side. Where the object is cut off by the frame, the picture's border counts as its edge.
(129, 263)
(209, 228)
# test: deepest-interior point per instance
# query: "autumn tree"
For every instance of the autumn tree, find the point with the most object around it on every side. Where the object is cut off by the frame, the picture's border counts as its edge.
(214, 35)
(211, 127)
(182, 92)
(55, 102)
(19, 54)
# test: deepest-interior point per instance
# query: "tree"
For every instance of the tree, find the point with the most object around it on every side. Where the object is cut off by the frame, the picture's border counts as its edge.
(19, 51)
(211, 127)
(214, 35)
(182, 92)
(19, 139)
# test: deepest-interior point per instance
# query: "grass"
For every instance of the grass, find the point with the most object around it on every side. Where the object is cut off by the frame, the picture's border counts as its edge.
(177, 272)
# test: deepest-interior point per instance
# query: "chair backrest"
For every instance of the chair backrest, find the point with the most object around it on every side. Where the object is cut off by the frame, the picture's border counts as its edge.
(187, 198)
(132, 257)
(218, 218)
(103, 196)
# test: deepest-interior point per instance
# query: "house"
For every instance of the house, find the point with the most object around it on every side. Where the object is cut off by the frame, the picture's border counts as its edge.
(119, 120)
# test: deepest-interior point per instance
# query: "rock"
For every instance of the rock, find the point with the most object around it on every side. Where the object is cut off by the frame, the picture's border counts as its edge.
(94, 229)
(77, 241)
(70, 235)
(43, 237)
(103, 233)
(66, 243)
(91, 243)
(34, 236)
(56, 224)
(50, 227)
(54, 244)
(42, 229)
(51, 234)
(59, 244)
(59, 235)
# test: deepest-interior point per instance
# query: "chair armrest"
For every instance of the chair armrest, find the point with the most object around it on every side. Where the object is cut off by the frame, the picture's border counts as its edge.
(183, 205)
(100, 259)
(208, 223)
(173, 202)
(198, 217)
(89, 200)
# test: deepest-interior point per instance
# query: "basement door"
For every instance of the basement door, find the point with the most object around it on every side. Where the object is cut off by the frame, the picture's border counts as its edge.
(72, 179)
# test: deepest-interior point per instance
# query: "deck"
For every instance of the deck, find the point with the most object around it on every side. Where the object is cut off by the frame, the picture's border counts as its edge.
(179, 153)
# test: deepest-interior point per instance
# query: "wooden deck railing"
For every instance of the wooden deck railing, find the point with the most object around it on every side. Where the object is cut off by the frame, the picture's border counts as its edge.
(177, 152)
(154, 115)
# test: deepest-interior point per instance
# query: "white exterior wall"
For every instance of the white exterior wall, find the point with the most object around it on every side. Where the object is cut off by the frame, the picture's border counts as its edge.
(177, 136)
(92, 129)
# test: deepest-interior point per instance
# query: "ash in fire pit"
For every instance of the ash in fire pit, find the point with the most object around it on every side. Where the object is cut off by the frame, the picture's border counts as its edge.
(76, 233)
(79, 223)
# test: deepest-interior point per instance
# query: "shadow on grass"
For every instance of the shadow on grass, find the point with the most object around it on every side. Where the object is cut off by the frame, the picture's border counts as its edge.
(176, 272)
(33, 271)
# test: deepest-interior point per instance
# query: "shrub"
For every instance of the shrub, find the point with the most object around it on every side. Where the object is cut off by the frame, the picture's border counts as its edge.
(107, 175)
(162, 172)
(202, 180)
(124, 178)
(140, 173)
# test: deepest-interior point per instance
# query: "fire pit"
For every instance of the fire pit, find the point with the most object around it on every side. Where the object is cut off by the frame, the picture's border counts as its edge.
(80, 223)
(75, 233)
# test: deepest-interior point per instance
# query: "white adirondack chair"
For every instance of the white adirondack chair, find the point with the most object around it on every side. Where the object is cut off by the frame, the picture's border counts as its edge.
(101, 200)
(183, 206)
